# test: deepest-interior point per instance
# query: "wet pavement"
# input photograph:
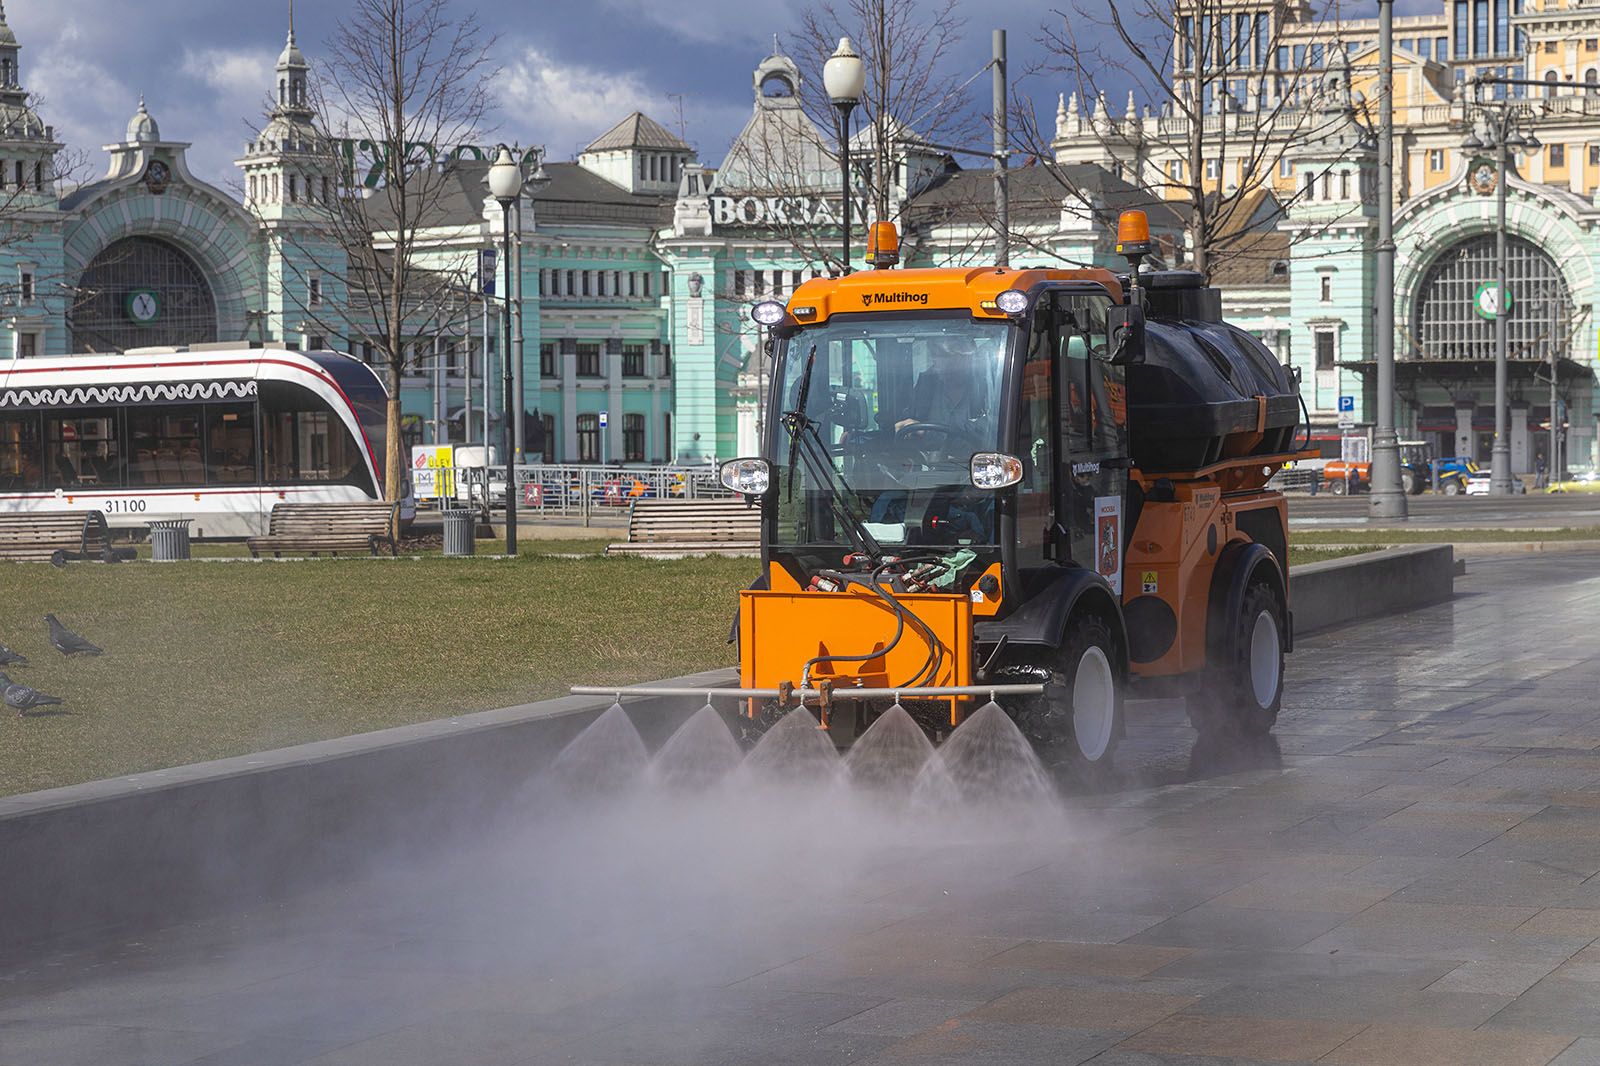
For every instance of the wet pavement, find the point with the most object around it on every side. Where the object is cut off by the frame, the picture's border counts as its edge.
(1534, 510)
(1407, 872)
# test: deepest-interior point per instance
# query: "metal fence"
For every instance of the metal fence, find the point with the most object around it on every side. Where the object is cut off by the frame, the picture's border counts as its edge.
(568, 491)
(1296, 480)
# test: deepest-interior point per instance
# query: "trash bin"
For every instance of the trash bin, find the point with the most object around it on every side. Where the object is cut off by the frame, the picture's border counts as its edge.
(459, 527)
(169, 540)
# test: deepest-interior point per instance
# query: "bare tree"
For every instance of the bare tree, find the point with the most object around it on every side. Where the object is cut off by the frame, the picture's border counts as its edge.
(1221, 109)
(405, 85)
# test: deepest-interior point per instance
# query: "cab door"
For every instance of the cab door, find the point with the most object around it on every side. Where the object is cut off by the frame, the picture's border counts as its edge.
(1093, 466)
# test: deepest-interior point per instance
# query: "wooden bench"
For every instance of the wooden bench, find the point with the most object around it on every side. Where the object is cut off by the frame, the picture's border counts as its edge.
(313, 528)
(57, 536)
(673, 528)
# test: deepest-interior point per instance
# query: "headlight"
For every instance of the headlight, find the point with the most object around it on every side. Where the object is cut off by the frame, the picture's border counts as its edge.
(1012, 301)
(749, 477)
(995, 470)
(767, 312)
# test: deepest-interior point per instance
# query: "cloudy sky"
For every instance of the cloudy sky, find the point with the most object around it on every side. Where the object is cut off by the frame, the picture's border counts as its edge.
(570, 68)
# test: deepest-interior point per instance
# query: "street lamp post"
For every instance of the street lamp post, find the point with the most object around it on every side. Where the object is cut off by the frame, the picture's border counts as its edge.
(844, 76)
(505, 185)
(1504, 135)
(1388, 491)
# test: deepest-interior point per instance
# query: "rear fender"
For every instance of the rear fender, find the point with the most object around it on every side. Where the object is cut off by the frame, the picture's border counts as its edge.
(1240, 566)
(1042, 619)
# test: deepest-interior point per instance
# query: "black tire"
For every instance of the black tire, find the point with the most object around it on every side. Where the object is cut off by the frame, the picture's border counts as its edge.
(1453, 487)
(1244, 694)
(1052, 722)
(1409, 483)
(1337, 486)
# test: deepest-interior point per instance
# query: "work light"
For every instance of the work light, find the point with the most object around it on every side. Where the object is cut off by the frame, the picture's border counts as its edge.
(1012, 301)
(767, 312)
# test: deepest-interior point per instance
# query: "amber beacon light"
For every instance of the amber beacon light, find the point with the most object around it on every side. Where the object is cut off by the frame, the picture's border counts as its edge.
(1133, 233)
(883, 245)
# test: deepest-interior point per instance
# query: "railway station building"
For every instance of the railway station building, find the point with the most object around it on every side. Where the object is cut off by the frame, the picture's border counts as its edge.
(640, 259)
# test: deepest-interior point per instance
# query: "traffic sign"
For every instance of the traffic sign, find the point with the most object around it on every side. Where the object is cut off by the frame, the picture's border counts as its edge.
(1347, 403)
(603, 419)
(1347, 412)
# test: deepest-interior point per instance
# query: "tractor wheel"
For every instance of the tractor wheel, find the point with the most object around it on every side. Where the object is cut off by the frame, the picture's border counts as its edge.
(1409, 483)
(1337, 486)
(1244, 694)
(1077, 722)
(1452, 487)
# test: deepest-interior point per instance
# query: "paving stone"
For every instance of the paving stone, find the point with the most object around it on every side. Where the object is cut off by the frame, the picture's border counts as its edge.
(1554, 1005)
(1273, 1039)
(969, 1042)
(1217, 926)
(1391, 1045)
(903, 1017)
(1494, 978)
(1073, 1008)
(1121, 960)
(1584, 1051)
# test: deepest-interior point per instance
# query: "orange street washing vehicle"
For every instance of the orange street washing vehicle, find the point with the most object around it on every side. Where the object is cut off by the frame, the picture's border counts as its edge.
(1037, 486)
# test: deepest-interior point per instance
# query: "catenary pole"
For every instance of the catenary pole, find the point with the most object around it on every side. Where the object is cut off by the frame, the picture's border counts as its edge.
(1388, 492)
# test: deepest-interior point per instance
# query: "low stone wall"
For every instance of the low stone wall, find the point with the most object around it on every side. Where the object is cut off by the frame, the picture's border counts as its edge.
(1365, 586)
(156, 847)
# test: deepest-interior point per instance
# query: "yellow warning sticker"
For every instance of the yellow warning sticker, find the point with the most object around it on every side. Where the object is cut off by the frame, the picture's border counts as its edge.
(1149, 582)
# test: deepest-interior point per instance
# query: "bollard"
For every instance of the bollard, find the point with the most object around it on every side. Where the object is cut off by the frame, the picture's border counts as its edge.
(458, 532)
(169, 540)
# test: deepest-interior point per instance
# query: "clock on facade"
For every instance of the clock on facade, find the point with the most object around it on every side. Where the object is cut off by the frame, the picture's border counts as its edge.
(1484, 178)
(157, 176)
(143, 306)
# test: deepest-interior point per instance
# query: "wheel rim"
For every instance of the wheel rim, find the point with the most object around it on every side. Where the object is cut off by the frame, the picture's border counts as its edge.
(1094, 704)
(1265, 659)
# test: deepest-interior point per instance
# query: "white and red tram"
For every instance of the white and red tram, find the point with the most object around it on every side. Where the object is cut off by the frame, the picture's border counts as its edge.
(214, 433)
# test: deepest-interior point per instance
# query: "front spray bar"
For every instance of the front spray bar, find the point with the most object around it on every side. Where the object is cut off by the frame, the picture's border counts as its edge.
(823, 695)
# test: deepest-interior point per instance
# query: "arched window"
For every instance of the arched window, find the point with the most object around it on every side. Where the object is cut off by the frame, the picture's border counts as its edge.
(1446, 319)
(99, 317)
(283, 94)
(1591, 80)
(252, 188)
(1549, 83)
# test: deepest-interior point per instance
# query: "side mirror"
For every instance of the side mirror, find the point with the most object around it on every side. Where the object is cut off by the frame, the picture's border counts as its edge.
(1125, 326)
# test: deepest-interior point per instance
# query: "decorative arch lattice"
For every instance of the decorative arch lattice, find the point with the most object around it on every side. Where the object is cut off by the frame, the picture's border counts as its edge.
(1446, 324)
(101, 319)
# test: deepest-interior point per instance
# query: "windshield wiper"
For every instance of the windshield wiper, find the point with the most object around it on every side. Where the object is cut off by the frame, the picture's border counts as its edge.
(793, 420)
(803, 430)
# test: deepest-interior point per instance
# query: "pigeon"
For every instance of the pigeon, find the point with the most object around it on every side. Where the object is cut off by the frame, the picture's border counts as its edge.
(66, 641)
(22, 697)
(11, 658)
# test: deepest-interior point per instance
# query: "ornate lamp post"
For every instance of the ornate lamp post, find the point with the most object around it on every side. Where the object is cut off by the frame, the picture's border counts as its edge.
(505, 185)
(844, 77)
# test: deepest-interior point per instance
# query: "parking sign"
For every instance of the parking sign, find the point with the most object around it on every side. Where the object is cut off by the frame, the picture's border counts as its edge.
(1347, 411)
(603, 419)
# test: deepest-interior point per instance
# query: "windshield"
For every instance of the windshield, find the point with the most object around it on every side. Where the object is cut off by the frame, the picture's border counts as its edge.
(876, 419)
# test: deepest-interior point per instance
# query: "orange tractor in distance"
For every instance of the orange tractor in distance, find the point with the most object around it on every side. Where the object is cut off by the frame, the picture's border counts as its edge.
(1034, 485)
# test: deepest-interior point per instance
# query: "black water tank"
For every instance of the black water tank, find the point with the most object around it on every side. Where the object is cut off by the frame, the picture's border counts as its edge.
(1198, 396)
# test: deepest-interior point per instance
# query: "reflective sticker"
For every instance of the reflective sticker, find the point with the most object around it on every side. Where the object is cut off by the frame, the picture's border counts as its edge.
(1150, 583)
(977, 595)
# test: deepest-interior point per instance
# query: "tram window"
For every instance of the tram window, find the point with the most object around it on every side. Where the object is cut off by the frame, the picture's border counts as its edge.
(304, 441)
(81, 449)
(21, 453)
(164, 446)
(230, 443)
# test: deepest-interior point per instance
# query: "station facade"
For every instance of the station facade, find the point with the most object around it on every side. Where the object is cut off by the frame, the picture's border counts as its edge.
(640, 260)
(1277, 76)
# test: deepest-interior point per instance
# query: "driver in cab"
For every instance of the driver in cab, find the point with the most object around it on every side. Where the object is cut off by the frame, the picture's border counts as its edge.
(948, 393)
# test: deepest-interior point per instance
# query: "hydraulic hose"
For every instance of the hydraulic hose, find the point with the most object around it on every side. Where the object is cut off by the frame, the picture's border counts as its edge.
(902, 614)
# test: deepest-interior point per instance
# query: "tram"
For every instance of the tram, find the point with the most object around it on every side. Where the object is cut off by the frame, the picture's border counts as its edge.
(214, 433)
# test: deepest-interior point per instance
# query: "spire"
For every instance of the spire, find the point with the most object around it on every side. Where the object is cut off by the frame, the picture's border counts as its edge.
(1133, 110)
(291, 20)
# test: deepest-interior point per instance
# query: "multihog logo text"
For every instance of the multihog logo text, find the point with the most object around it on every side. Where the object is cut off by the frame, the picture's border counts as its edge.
(870, 299)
